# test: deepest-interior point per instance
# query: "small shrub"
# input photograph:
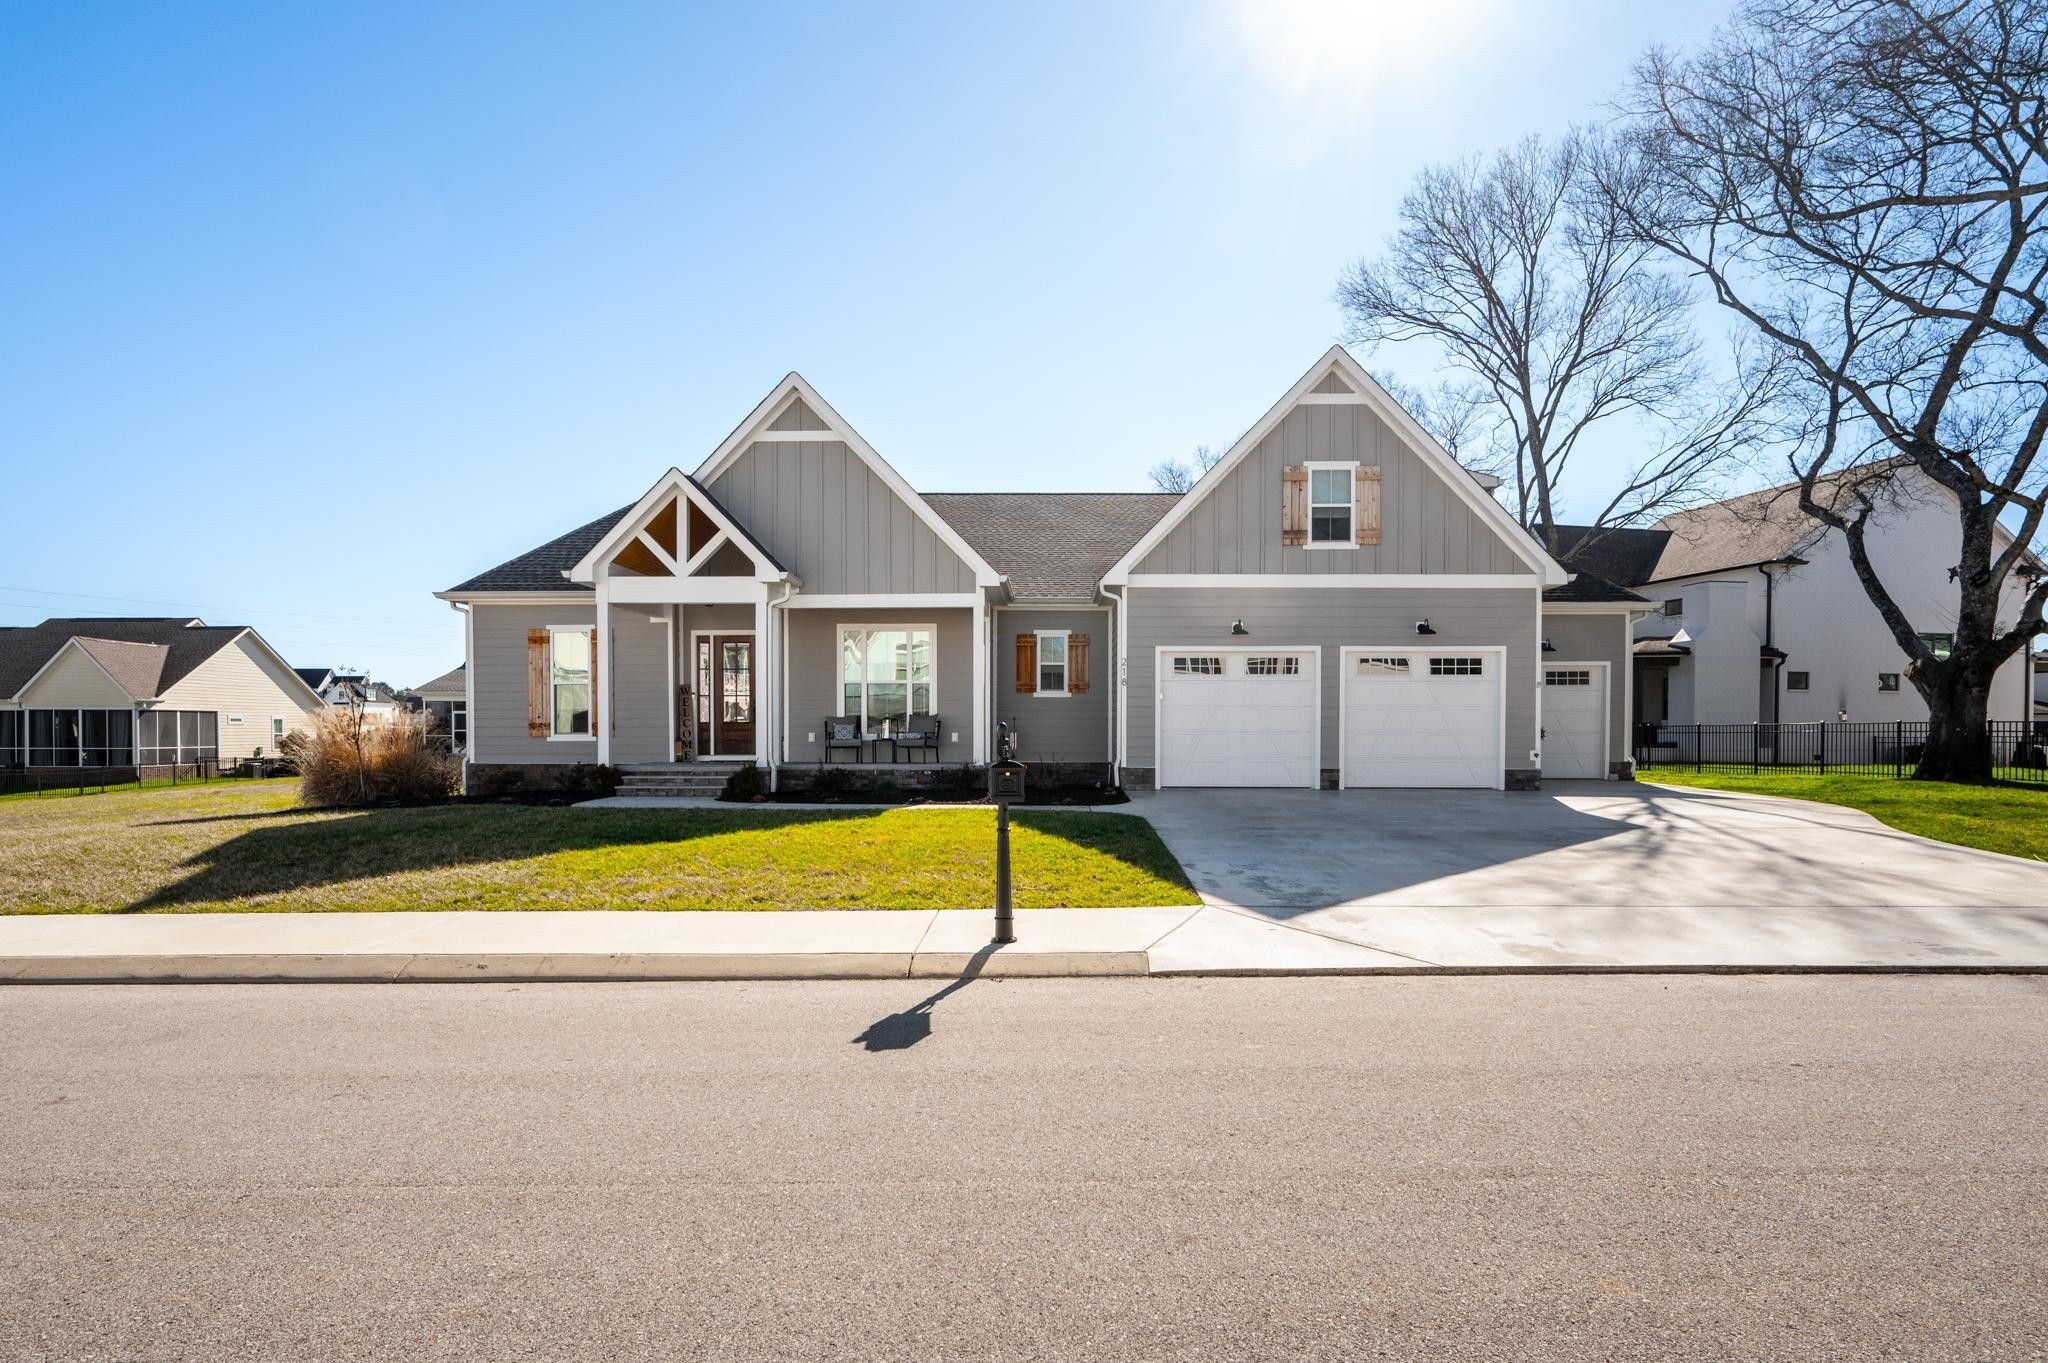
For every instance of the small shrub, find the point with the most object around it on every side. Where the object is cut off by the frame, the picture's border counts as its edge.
(349, 758)
(833, 783)
(746, 784)
(961, 781)
(602, 780)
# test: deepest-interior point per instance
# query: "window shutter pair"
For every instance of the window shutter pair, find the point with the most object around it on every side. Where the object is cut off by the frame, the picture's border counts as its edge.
(1027, 664)
(1294, 505)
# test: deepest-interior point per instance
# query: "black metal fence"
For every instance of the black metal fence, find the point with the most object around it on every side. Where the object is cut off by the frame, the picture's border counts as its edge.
(2019, 751)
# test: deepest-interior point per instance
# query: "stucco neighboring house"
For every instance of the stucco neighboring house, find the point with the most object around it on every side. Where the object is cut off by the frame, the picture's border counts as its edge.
(143, 693)
(445, 700)
(1759, 617)
(1335, 603)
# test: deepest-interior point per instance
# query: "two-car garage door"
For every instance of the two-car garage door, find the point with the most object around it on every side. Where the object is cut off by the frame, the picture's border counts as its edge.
(1245, 717)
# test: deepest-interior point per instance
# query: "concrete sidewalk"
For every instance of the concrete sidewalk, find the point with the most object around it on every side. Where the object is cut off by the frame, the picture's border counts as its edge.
(867, 944)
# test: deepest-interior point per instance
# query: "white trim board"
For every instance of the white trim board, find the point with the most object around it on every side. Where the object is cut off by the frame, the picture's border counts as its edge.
(1547, 570)
(795, 386)
(674, 482)
(1289, 581)
(885, 601)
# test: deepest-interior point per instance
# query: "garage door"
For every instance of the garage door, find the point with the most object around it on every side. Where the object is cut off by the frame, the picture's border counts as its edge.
(1574, 715)
(1238, 718)
(1422, 719)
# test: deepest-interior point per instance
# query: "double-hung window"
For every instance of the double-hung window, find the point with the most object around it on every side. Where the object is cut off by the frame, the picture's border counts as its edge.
(569, 681)
(887, 673)
(1052, 662)
(458, 726)
(1332, 512)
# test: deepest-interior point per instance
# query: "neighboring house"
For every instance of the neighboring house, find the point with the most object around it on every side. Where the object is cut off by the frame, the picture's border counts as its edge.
(126, 693)
(1758, 616)
(374, 698)
(1335, 603)
(445, 699)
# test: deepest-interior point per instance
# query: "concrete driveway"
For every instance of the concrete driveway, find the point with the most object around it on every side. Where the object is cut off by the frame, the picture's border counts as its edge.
(1582, 874)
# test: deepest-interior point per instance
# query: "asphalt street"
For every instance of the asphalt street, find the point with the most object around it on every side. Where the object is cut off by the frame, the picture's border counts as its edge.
(1542, 1168)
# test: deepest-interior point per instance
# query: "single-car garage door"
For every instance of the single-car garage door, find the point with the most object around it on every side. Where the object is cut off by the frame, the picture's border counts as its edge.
(1574, 721)
(1231, 717)
(1422, 719)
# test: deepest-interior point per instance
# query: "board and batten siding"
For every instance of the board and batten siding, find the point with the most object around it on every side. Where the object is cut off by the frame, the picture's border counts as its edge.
(1333, 618)
(1057, 728)
(814, 676)
(639, 685)
(827, 517)
(1425, 527)
(75, 681)
(1597, 639)
(246, 687)
(497, 726)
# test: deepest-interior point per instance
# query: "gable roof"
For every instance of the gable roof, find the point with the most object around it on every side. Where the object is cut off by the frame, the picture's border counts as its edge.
(1628, 554)
(315, 677)
(1337, 362)
(679, 484)
(1052, 546)
(449, 683)
(153, 653)
(796, 388)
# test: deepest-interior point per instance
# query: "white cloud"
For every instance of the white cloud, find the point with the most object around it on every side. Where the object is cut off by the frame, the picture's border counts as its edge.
(1339, 55)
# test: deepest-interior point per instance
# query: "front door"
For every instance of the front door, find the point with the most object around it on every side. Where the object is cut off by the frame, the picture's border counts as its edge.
(725, 695)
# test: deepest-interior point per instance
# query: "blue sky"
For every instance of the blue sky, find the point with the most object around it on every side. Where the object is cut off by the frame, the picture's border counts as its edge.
(313, 310)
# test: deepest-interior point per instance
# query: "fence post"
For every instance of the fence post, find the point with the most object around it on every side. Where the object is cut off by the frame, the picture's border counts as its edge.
(1898, 748)
(1756, 747)
(1699, 754)
(1823, 747)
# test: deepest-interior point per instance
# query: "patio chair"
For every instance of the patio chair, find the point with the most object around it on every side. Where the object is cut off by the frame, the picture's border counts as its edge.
(842, 734)
(920, 733)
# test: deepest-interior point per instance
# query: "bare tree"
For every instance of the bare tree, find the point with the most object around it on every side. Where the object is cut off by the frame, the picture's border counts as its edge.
(1455, 414)
(1553, 319)
(1178, 475)
(1862, 183)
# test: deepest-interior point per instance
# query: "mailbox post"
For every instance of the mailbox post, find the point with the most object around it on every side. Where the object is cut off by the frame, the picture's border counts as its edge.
(1005, 786)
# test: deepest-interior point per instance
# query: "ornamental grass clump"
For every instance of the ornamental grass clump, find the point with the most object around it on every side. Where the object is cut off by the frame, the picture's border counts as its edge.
(352, 758)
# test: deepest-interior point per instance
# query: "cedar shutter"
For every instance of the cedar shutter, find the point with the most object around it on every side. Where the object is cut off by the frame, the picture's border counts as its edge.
(537, 724)
(1077, 664)
(1027, 664)
(1294, 504)
(1368, 510)
(593, 684)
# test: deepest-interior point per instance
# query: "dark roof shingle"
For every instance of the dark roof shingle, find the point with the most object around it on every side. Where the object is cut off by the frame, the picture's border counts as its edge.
(540, 570)
(186, 643)
(1052, 546)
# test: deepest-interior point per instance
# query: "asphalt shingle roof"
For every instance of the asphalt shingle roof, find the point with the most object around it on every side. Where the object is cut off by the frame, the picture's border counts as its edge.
(1052, 545)
(540, 570)
(24, 650)
(450, 683)
(1590, 587)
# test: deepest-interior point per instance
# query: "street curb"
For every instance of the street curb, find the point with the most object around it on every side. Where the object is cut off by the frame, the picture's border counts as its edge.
(500, 967)
(1277, 972)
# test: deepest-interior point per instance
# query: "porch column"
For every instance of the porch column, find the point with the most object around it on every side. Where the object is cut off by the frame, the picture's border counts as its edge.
(763, 669)
(601, 664)
(978, 740)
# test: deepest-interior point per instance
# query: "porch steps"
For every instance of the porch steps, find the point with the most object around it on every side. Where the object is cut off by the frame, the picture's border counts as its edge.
(671, 779)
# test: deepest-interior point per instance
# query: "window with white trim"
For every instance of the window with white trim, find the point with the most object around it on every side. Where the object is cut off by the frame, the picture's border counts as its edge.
(1887, 681)
(1382, 667)
(569, 681)
(1200, 666)
(1052, 662)
(887, 673)
(276, 733)
(458, 726)
(1568, 676)
(1457, 667)
(1273, 665)
(1332, 496)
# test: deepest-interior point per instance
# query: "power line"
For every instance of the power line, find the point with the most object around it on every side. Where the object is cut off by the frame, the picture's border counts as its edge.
(188, 606)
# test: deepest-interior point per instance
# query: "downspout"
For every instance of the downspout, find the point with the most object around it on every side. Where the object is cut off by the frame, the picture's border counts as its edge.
(1121, 595)
(1770, 639)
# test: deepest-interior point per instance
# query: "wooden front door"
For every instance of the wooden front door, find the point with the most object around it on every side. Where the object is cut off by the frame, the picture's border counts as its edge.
(725, 695)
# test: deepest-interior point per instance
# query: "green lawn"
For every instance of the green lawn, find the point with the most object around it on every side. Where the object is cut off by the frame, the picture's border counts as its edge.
(246, 847)
(134, 787)
(2009, 819)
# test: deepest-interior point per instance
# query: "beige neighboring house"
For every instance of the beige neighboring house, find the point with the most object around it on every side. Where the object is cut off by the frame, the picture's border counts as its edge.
(145, 694)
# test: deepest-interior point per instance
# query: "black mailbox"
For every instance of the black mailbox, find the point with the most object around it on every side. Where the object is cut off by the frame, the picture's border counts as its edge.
(1006, 782)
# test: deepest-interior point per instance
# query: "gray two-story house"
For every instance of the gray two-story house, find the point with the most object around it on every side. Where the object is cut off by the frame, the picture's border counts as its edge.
(1336, 603)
